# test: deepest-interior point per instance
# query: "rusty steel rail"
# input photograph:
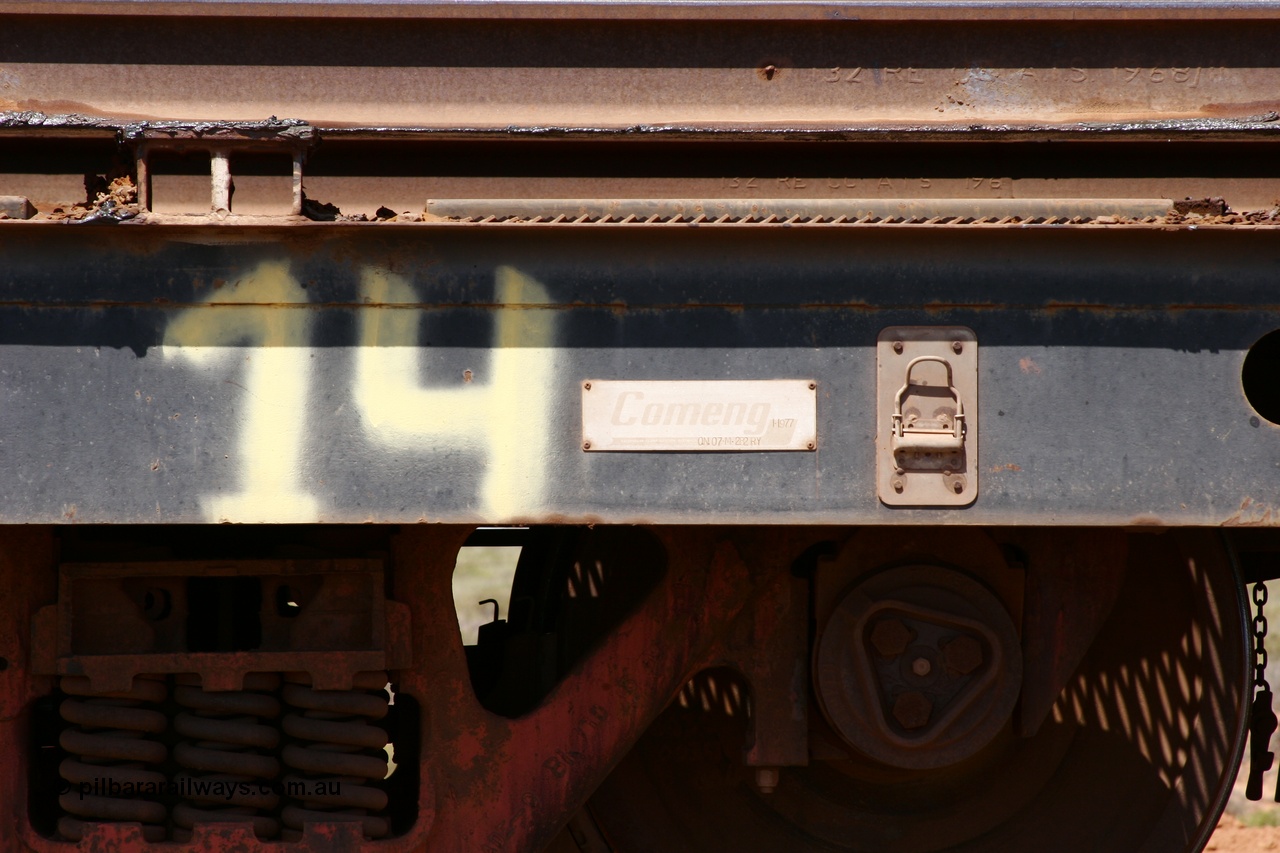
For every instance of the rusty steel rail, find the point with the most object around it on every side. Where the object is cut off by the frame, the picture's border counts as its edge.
(806, 67)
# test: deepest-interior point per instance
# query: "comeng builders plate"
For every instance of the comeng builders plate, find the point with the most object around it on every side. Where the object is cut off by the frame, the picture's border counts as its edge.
(708, 416)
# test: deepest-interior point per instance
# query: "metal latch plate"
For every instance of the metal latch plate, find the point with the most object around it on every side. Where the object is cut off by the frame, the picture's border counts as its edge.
(927, 416)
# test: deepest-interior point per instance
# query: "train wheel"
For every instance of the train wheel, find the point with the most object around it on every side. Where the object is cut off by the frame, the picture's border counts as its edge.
(1139, 753)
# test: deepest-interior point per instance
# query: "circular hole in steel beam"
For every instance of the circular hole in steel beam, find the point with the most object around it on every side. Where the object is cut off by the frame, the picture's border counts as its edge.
(1260, 376)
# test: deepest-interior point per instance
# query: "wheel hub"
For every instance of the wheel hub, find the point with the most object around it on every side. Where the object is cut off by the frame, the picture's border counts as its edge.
(918, 667)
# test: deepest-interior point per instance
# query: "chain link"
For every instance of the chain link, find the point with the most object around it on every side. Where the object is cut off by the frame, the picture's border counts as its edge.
(1260, 637)
(1262, 716)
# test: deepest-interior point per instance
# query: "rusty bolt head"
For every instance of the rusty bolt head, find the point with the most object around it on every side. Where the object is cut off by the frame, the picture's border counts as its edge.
(912, 710)
(897, 485)
(921, 667)
(958, 486)
(586, 445)
(957, 347)
(891, 638)
(897, 347)
(963, 654)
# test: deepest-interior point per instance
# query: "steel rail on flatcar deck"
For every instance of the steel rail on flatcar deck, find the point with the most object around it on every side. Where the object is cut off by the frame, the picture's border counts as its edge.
(633, 65)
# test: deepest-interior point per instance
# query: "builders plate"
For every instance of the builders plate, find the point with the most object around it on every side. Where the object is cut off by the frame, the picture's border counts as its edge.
(713, 416)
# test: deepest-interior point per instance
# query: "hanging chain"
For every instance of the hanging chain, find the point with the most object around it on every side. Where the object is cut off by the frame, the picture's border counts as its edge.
(1260, 638)
(1262, 719)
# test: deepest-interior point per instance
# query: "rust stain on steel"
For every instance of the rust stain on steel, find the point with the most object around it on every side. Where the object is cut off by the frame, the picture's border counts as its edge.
(1008, 466)
(1029, 367)
(1254, 513)
(768, 72)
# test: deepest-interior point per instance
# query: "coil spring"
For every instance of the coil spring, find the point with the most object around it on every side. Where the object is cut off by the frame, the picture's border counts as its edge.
(337, 754)
(112, 751)
(229, 748)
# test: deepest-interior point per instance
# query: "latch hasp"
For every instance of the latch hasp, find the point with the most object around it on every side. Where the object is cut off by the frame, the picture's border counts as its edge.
(927, 416)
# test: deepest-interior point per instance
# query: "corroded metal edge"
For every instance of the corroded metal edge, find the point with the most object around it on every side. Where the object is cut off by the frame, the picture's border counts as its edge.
(832, 10)
(1264, 125)
(1262, 221)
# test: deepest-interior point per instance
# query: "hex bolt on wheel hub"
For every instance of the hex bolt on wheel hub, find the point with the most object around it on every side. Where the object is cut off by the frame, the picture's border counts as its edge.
(918, 667)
